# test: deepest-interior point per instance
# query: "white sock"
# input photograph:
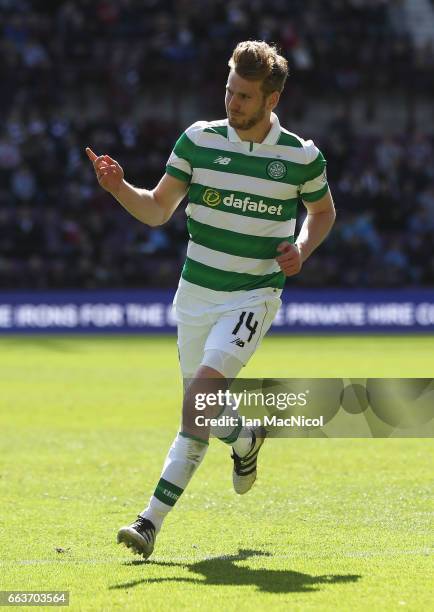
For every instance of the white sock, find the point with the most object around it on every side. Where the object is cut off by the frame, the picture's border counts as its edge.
(237, 436)
(184, 457)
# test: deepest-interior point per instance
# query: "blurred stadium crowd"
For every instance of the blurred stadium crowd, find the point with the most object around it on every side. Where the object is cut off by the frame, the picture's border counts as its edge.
(113, 75)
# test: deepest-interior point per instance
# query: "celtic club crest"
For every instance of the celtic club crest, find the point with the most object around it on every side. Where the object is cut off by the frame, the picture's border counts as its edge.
(276, 170)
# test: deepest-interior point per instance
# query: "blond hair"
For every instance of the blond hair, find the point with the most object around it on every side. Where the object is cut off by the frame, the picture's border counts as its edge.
(256, 60)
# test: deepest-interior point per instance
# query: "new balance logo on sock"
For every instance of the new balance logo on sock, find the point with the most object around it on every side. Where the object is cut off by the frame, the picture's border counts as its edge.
(224, 161)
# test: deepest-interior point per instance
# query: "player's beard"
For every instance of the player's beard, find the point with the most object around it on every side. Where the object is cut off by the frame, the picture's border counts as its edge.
(247, 124)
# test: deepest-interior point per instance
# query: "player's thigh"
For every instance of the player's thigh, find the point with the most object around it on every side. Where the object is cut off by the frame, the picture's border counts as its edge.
(194, 322)
(239, 332)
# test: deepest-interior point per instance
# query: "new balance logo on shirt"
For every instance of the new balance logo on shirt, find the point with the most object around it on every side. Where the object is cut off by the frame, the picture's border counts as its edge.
(224, 161)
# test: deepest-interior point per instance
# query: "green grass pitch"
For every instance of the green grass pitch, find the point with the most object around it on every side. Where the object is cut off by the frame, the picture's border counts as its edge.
(85, 425)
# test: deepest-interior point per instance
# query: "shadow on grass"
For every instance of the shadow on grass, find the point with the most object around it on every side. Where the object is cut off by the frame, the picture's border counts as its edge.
(223, 571)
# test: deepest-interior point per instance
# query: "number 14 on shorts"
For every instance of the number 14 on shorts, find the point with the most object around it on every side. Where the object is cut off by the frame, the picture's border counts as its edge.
(246, 319)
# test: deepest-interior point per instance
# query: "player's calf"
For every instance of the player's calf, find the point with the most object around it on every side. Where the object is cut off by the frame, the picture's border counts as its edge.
(200, 403)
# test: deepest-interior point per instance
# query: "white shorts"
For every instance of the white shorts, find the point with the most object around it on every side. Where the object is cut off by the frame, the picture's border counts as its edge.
(232, 324)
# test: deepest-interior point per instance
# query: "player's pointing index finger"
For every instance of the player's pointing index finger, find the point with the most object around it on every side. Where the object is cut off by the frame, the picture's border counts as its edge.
(91, 155)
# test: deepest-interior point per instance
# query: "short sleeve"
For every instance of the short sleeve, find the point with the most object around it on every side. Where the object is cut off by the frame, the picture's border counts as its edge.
(180, 162)
(315, 185)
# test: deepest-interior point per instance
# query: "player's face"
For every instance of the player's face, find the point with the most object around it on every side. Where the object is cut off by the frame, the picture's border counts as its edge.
(246, 104)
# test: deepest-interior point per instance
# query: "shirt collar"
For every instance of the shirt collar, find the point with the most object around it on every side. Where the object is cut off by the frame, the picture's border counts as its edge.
(271, 138)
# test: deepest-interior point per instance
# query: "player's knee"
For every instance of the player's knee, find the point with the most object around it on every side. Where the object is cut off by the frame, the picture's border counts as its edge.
(224, 363)
(201, 392)
(214, 374)
(205, 371)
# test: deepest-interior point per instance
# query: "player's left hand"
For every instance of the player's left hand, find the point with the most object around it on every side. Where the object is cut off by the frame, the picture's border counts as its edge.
(290, 259)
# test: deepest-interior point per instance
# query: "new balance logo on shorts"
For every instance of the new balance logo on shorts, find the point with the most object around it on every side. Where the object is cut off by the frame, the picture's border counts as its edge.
(224, 161)
(238, 342)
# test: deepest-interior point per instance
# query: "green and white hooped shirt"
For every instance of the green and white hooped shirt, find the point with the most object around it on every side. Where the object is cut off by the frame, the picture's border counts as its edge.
(242, 201)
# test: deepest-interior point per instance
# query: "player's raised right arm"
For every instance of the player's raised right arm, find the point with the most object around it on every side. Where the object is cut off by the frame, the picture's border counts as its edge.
(153, 207)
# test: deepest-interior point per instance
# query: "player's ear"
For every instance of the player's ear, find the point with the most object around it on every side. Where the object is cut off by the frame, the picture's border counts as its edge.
(276, 98)
(273, 100)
